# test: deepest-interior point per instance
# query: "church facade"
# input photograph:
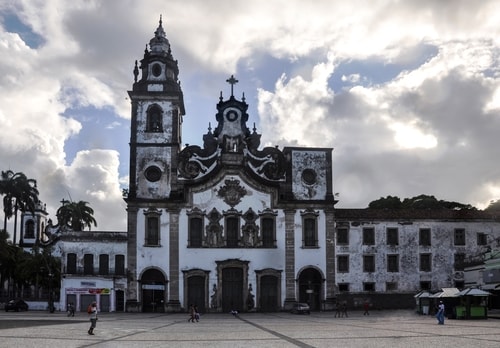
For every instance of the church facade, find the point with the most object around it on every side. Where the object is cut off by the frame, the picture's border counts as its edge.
(227, 225)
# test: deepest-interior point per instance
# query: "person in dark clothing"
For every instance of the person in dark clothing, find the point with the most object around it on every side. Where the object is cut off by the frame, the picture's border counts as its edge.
(344, 309)
(93, 317)
(366, 306)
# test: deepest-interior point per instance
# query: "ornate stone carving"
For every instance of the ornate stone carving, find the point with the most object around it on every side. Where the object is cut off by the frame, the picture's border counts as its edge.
(268, 163)
(214, 229)
(195, 162)
(232, 192)
(250, 229)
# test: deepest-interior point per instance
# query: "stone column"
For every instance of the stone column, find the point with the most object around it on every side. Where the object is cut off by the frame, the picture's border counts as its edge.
(330, 259)
(173, 304)
(289, 259)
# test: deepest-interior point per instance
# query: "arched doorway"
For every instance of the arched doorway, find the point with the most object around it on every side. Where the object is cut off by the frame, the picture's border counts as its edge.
(310, 288)
(153, 291)
(233, 284)
(268, 290)
(269, 295)
(232, 289)
(196, 289)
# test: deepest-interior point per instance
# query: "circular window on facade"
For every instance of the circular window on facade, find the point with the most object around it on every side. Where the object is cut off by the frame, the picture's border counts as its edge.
(309, 176)
(153, 173)
(231, 116)
(156, 69)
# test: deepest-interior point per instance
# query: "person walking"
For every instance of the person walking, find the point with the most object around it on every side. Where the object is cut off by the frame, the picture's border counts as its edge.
(344, 309)
(71, 309)
(196, 313)
(92, 311)
(337, 310)
(440, 313)
(366, 306)
(192, 313)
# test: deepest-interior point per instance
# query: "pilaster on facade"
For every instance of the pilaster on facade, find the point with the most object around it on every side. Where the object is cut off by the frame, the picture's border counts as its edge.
(133, 285)
(330, 259)
(290, 282)
(173, 303)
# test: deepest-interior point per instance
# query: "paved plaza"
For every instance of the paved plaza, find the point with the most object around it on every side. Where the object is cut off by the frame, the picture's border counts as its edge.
(381, 329)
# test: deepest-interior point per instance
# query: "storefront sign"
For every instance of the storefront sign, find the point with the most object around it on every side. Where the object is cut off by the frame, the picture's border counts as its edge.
(93, 291)
(153, 287)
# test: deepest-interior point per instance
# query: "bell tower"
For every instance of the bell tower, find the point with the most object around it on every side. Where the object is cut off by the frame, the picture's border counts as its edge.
(156, 122)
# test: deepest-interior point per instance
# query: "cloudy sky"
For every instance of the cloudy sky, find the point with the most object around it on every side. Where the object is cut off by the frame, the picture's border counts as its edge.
(406, 92)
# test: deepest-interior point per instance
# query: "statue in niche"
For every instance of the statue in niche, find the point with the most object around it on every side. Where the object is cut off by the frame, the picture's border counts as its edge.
(213, 298)
(214, 229)
(213, 234)
(250, 235)
(250, 298)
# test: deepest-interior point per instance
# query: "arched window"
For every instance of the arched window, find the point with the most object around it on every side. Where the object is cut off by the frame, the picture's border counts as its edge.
(119, 264)
(88, 264)
(309, 229)
(103, 264)
(195, 232)
(268, 228)
(29, 229)
(154, 119)
(196, 227)
(232, 231)
(71, 263)
(152, 235)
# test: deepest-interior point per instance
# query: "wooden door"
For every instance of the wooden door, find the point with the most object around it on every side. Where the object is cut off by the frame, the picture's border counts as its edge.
(196, 293)
(232, 289)
(268, 294)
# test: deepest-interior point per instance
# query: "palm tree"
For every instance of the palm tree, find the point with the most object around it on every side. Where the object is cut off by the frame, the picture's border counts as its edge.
(7, 259)
(20, 194)
(76, 215)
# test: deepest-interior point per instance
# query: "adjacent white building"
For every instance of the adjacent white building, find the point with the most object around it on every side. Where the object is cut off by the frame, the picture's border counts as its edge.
(93, 269)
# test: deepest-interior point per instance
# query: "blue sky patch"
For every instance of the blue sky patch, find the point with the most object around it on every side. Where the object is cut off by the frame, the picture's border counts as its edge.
(13, 24)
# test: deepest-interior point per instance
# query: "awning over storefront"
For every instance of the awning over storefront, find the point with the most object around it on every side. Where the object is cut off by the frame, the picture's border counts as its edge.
(494, 286)
(473, 292)
(446, 292)
(422, 294)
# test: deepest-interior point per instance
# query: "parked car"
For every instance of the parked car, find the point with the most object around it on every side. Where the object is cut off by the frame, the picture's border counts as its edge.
(301, 308)
(16, 305)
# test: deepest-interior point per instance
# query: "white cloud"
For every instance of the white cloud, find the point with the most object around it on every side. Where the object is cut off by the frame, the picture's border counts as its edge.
(405, 132)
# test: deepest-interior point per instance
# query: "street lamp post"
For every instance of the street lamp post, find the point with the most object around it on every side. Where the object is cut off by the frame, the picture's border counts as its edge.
(51, 304)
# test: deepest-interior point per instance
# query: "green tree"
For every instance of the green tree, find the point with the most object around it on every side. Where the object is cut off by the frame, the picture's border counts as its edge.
(7, 259)
(76, 215)
(417, 202)
(493, 206)
(20, 194)
(388, 202)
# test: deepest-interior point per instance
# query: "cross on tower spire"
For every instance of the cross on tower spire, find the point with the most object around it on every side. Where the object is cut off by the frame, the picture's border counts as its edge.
(232, 81)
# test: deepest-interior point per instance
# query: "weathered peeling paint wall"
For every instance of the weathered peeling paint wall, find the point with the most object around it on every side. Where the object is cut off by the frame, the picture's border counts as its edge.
(95, 244)
(165, 136)
(442, 250)
(310, 256)
(156, 156)
(314, 185)
(152, 256)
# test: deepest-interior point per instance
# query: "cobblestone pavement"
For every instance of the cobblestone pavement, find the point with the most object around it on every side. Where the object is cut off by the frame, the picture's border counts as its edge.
(380, 329)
